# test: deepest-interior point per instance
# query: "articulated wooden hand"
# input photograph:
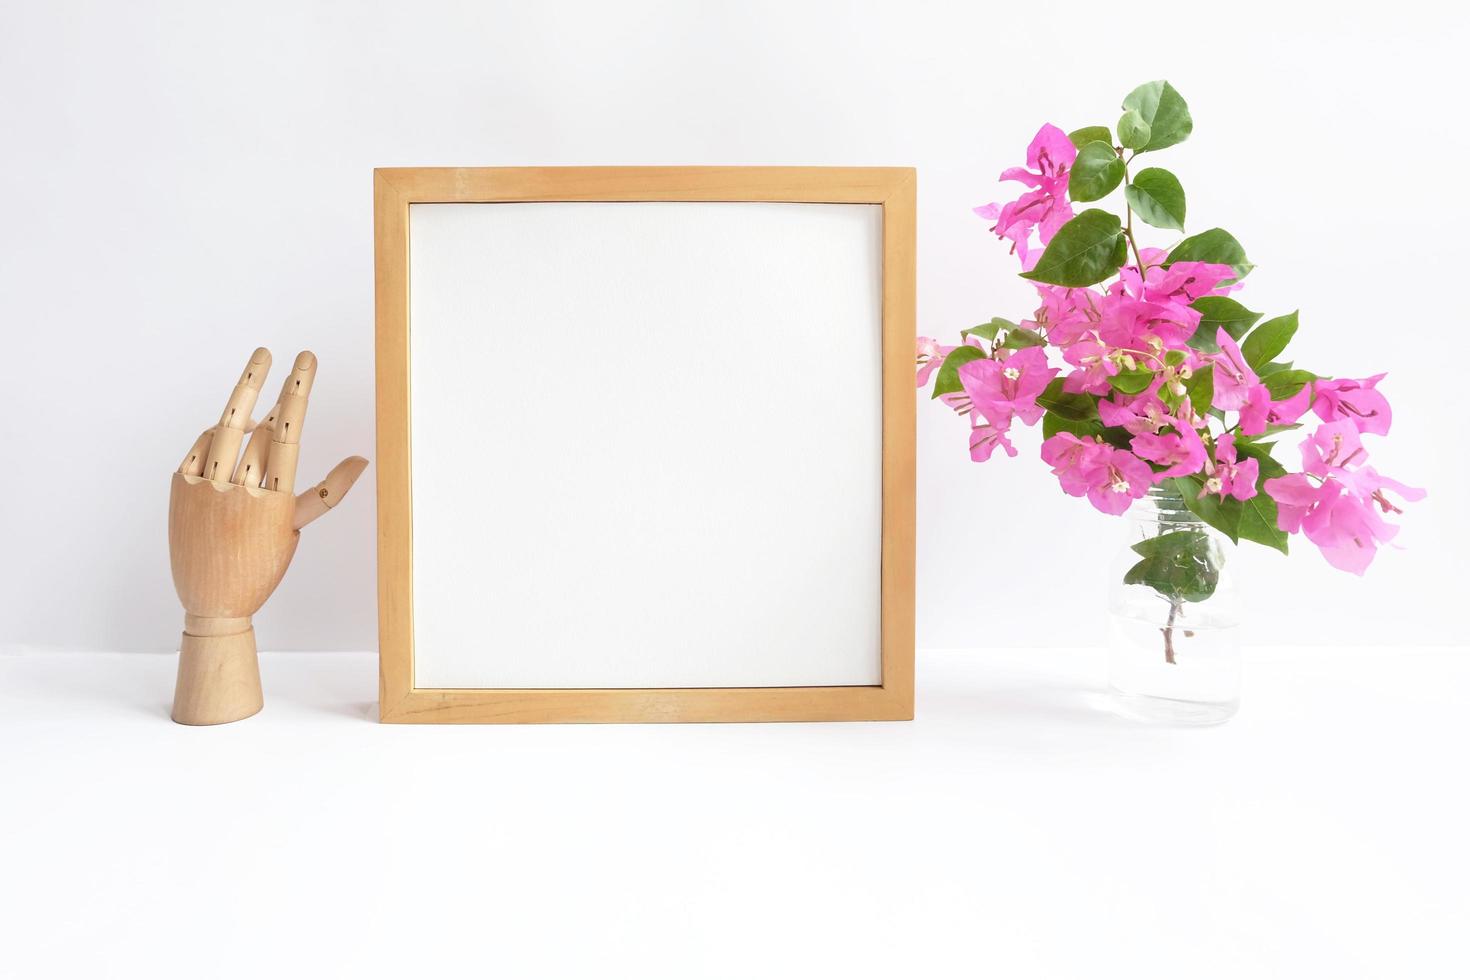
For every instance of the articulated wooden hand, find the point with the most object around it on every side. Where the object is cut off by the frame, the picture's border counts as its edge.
(232, 529)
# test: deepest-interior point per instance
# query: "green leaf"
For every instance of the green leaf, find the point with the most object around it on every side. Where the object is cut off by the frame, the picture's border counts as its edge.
(1164, 110)
(1090, 134)
(1120, 251)
(1116, 435)
(1133, 131)
(1253, 447)
(1132, 381)
(1217, 312)
(1052, 423)
(1019, 337)
(1180, 565)
(989, 330)
(1096, 172)
(1083, 251)
(1268, 340)
(1201, 389)
(947, 378)
(1222, 515)
(1215, 245)
(1073, 406)
(1157, 197)
(1258, 515)
(1284, 384)
(1247, 445)
(1258, 523)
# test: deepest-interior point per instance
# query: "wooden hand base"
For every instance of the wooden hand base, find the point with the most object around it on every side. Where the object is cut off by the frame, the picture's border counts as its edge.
(219, 675)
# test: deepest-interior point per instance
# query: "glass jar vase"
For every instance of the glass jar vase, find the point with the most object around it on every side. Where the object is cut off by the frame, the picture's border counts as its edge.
(1174, 617)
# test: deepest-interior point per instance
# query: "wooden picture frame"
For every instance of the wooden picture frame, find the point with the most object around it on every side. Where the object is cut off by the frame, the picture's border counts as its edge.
(395, 192)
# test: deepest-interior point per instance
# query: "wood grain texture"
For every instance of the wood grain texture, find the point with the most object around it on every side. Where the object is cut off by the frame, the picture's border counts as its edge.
(395, 190)
(820, 185)
(218, 680)
(229, 546)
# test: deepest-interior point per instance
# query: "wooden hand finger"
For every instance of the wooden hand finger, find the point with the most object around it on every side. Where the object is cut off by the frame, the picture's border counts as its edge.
(251, 470)
(326, 494)
(280, 464)
(219, 462)
(193, 464)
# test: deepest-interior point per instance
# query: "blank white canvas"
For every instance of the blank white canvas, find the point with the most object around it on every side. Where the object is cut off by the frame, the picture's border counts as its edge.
(647, 444)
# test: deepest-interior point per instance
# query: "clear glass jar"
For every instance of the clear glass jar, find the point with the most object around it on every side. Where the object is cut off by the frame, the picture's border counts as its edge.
(1173, 617)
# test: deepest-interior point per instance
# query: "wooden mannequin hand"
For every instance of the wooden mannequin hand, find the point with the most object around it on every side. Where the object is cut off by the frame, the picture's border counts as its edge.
(232, 530)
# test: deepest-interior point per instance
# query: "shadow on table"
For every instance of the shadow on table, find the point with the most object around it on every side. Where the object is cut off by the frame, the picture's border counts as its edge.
(335, 684)
(1032, 705)
(142, 685)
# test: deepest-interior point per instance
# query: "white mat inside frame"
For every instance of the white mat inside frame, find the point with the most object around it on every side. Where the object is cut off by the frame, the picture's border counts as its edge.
(646, 444)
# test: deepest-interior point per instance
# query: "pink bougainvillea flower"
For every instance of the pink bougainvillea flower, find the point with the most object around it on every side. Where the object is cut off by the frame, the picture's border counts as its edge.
(1234, 379)
(1295, 495)
(1181, 452)
(1335, 453)
(958, 402)
(930, 353)
(1340, 524)
(1155, 305)
(1142, 325)
(1050, 157)
(1067, 315)
(1333, 501)
(1074, 461)
(1227, 476)
(985, 438)
(1334, 446)
(1137, 413)
(1347, 531)
(1368, 484)
(1094, 368)
(1180, 284)
(1123, 478)
(1002, 390)
(1110, 478)
(1130, 323)
(1259, 411)
(1255, 414)
(1357, 401)
(1037, 209)
(1288, 410)
(1238, 388)
(1012, 227)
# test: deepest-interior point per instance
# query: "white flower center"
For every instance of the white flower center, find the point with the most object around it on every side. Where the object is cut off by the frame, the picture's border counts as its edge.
(1213, 484)
(1012, 373)
(1120, 485)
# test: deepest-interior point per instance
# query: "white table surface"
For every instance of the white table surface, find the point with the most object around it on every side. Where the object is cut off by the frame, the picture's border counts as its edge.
(1014, 830)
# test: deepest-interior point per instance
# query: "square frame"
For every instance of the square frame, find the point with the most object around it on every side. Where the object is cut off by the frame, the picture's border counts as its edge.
(394, 190)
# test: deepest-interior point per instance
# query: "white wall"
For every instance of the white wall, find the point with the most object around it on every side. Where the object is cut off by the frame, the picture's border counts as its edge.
(184, 181)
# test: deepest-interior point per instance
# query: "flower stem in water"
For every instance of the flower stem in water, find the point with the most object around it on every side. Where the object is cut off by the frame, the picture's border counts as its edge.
(1175, 607)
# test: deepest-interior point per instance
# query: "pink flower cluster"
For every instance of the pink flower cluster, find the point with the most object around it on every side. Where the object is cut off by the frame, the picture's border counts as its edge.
(1239, 389)
(1049, 159)
(1002, 389)
(1336, 500)
(1110, 478)
(1131, 354)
